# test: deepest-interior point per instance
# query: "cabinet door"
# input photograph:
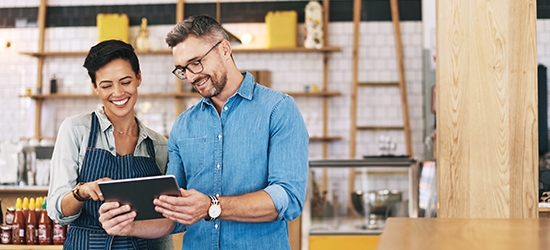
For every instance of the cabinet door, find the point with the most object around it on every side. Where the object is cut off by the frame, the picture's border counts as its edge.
(348, 242)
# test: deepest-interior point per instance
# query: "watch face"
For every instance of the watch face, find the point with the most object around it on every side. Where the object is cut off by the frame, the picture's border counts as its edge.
(214, 211)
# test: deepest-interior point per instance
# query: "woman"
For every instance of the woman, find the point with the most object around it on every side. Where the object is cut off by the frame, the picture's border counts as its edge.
(109, 143)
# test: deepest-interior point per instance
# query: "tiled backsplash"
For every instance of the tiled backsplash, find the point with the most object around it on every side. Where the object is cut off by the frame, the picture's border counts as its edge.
(289, 72)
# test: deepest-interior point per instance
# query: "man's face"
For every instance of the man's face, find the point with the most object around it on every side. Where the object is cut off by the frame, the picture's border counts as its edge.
(210, 75)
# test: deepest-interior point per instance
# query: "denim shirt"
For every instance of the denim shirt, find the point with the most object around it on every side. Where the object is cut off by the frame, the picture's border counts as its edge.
(258, 142)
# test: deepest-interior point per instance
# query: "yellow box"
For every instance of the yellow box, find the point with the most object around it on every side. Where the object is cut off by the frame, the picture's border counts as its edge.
(282, 29)
(112, 26)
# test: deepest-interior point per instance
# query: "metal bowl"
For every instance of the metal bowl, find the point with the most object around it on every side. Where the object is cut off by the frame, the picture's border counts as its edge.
(379, 202)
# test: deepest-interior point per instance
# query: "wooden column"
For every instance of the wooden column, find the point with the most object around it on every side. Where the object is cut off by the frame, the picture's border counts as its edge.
(487, 134)
(180, 10)
(42, 12)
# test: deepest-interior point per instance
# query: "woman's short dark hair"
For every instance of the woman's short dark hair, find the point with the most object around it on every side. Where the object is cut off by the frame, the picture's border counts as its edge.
(198, 26)
(107, 51)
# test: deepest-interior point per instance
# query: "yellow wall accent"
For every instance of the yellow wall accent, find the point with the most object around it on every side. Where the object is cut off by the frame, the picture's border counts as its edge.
(348, 242)
(282, 27)
(112, 26)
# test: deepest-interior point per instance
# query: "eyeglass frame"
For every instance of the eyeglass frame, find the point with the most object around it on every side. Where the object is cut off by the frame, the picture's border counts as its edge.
(179, 71)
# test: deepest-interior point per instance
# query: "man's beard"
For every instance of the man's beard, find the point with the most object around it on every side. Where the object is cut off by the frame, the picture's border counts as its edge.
(217, 87)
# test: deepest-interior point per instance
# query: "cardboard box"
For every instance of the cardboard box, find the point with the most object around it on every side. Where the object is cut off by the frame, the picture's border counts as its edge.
(112, 26)
(282, 29)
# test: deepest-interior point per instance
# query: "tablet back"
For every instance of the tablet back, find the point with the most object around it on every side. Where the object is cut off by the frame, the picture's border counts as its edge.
(139, 193)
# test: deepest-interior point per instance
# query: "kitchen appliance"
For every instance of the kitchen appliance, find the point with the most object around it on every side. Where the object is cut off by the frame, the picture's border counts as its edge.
(376, 206)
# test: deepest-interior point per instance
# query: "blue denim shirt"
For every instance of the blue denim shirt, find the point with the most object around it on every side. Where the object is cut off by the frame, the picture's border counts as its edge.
(258, 142)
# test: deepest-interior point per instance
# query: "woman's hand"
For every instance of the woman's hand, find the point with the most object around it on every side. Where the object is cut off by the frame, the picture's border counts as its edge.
(91, 189)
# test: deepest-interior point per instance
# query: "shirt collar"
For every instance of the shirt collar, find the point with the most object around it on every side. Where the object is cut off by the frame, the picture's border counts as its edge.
(246, 90)
(107, 126)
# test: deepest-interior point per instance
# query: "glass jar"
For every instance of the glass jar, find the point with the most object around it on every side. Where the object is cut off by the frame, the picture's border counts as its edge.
(5, 234)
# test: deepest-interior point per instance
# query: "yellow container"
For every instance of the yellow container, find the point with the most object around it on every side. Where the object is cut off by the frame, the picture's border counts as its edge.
(282, 29)
(112, 26)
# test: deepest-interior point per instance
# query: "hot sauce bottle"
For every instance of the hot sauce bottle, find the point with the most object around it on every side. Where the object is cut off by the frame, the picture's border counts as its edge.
(31, 235)
(44, 226)
(59, 233)
(19, 224)
(25, 207)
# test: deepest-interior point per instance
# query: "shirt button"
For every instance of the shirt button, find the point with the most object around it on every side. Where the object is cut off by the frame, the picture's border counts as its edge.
(216, 225)
(219, 136)
(218, 166)
(112, 148)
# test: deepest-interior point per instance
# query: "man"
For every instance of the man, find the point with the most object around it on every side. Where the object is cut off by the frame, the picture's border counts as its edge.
(240, 155)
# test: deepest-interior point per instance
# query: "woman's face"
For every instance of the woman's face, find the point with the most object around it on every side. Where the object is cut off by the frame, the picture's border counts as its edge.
(116, 85)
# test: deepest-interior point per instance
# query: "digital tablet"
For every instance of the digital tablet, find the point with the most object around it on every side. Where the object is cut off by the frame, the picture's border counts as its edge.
(139, 193)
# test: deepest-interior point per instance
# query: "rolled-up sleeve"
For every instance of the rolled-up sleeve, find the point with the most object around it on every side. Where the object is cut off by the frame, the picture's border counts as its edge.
(63, 170)
(288, 160)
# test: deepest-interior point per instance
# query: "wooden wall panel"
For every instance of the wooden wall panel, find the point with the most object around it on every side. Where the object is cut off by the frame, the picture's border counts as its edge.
(487, 134)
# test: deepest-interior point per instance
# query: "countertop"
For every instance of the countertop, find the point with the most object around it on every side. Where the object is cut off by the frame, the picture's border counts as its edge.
(30, 247)
(460, 234)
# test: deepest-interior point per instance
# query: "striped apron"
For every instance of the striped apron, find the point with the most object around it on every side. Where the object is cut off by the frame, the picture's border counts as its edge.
(86, 231)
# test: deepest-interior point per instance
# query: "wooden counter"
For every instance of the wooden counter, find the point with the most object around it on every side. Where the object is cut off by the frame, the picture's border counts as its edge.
(460, 234)
(31, 247)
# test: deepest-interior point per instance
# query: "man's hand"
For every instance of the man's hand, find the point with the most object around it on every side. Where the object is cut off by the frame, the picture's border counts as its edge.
(191, 207)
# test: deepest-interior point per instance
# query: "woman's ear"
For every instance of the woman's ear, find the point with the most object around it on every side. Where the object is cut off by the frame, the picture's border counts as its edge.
(138, 77)
(95, 87)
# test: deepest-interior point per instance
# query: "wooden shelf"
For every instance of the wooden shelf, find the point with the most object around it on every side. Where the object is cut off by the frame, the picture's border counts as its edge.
(324, 138)
(168, 51)
(168, 95)
(544, 208)
(68, 96)
(379, 127)
(84, 53)
(283, 50)
(30, 247)
(314, 94)
(14, 188)
(378, 84)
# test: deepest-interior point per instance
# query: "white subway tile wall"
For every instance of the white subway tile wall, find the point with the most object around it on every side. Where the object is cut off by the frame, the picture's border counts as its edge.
(289, 72)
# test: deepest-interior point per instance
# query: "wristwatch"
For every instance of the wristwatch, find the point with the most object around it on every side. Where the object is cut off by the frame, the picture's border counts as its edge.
(76, 195)
(215, 210)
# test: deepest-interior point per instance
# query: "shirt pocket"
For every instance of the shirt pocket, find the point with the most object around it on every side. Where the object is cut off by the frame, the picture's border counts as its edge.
(192, 152)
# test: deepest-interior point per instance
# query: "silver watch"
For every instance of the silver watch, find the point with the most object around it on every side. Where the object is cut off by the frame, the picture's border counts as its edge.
(215, 210)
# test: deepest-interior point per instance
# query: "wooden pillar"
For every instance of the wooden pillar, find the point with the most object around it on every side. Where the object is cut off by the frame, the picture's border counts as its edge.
(42, 12)
(487, 134)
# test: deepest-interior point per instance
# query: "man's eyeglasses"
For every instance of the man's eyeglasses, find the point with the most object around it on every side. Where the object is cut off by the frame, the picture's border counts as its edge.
(194, 67)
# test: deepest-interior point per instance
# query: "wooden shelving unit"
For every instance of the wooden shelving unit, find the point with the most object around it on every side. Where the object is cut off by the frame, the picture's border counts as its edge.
(178, 93)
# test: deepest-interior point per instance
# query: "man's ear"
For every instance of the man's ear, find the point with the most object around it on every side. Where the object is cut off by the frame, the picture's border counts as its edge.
(226, 47)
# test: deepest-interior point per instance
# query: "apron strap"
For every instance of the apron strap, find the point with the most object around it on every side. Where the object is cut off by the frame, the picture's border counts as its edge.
(92, 139)
(150, 147)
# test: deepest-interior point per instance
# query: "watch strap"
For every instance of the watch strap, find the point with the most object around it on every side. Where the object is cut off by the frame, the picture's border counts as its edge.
(214, 201)
(76, 195)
